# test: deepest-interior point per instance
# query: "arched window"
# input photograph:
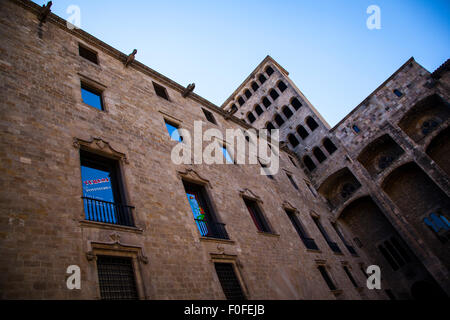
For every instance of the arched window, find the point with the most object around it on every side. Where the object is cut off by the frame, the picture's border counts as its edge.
(259, 111)
(269, 71)
(274, 94)
(320, 156)
(312, 124)
(254, 86)
(302, 132)
(247, 93)
(279, 120)
(309, 163)
(261, 78)
(241, 101)
(293, 140)
(329, 146)
(233, 108)
(296, 104)
(251, 118)
(281, 86)
(269, 126)
(266, 102)
(287, 112)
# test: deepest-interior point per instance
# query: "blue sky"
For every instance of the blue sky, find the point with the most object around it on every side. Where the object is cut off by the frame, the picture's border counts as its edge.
(324, 44)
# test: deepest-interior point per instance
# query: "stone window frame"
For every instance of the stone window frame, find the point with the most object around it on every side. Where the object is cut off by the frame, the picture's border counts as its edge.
(95, 86)
(88, 48)
(158, 86)
(320, 262)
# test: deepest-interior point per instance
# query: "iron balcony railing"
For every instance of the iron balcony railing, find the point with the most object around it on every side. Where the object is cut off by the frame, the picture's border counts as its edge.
(334, 247)
(310, 243)
(108, 212)
(211, 229)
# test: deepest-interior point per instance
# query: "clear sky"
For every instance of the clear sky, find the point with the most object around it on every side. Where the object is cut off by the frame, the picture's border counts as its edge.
(331, 55)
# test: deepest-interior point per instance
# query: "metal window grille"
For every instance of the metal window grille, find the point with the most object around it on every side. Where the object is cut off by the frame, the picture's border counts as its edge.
(229, 282)
(116, 278)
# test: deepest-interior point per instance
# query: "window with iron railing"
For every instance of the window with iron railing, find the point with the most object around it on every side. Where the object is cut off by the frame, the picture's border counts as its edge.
(103, 192)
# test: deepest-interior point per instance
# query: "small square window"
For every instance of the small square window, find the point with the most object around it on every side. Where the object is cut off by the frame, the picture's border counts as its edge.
(87, 54)
(209, 116)
(91, 96)
(398, 93)
(160, 91)
(172, 129)
(356, 128)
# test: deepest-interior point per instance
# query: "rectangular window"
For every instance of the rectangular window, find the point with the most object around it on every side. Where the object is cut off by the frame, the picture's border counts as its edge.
(209, 116)
(326, 277)
(308, 242)
(340, 234)
(103, 194)
(227, 155)
(350, 276)
(394, 253)
(333, 245)
(116, 278)
(291, 179)
(160, 91)
(257, 216)
(172, 129)
(91, 96)
(87, 54)
(204, 217)
(229, 281)
(313, 191)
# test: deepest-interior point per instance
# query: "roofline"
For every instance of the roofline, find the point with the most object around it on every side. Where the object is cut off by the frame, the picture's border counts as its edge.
(252, 75)
(410, 60)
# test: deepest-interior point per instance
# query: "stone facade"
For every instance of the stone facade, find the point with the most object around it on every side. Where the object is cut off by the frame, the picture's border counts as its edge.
(45, 124)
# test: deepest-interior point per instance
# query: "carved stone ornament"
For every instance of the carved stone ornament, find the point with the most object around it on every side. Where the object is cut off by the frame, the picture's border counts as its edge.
(98, 144)
(192, 175)
(249, 194)
(287, 205)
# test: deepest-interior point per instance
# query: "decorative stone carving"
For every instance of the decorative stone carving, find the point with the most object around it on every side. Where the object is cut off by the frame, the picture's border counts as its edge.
(249, 194)
(191, 174)
(98, 144)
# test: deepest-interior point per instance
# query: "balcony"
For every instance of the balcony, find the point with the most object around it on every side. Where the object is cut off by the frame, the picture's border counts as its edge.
(212, 229)
(108, 212)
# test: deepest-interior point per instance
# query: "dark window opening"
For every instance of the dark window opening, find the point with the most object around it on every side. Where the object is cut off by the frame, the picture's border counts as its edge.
(320, 156)
(251, 118)
(282, 86)
(247, 93)
(116, 278)
(259, 111)
(91, 96)
(229, 281)
(201, 208)
(160, 91)
(326, 277)
(103, 190)
(308, 242)
(312, 124)
(274, 94)
(209, 116)
(344, 241)
(254, 86)
(356, 128)
(398, 93)
(88, 54)
(296, 104)
(302, 132)
(270, 126)
(287, 112)
(309, 163)
(293, 140)
(266, 102)
(333, 245)
(269, 71)
(279, 120)
(329, 146)
(262, 78)
(291, 179)
(257, 216)
(241, 101)
(350, 276)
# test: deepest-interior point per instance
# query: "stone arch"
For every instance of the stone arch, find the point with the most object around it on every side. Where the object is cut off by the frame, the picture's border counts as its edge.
(281, 86)
(339, 187)
(266, 102)
(251, 117)
(259, 111)
(439, 150)
(320, 156)
(254, 86)
(293, 140)
(296, 103)
(274, 94)
(287, 112)
(312, 124)
(329, 146)
(278, 120)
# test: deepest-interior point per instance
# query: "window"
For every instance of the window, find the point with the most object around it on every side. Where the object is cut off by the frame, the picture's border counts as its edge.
(309, 163)
(279, 120)
(257, 216)
(293, 140)
(87, 54)
(91, 96)
(440, 226)
(172, 129)
(266, 102)
(356, 128)
(291, 179)
(254, 86)
(209, 116)
(326, 277)
(281, 86)
(350, 276)
(262, 79)
(250, 117)
(308, 242)
(274, 94)
(103, 191)
(233, 108)
(312, 124)
(227, 155)
(333, 245)
(269, 126)
(320, 156)
(296, 104)
(116, 278)
(398, 93)
(259, 111)
(269, 71)
(302, 132)
(341, 236)
(287, 112)
(241, 101)
(229, 281)
(394, 252)
(206, 221)
(329, 146)
(160, 91)
(311, 189)
(247, 93)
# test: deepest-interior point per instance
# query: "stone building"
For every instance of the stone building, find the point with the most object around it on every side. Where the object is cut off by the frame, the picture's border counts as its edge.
(79, 117)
